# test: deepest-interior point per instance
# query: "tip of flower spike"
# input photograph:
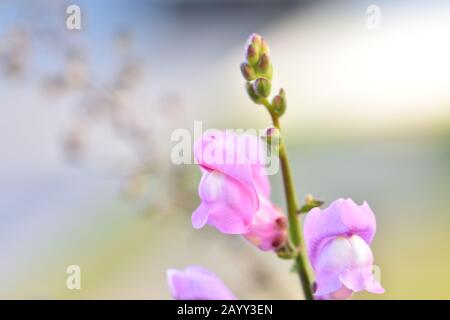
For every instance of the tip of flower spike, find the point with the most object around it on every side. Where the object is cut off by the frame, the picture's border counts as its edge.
(255, 47)
(254, 39)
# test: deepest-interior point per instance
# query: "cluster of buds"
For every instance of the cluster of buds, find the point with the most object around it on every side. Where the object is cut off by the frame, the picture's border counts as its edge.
(257, 70)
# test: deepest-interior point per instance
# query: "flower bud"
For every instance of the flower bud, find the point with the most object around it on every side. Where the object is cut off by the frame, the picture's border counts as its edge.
(279, 103)
(252, 94)
(262, 87)
(248, 72)
(272, 137)
(264, 67)
(253, 51)
(256, 40)
(252, 55)
(310, 203)
(269, 227)
(264, 47)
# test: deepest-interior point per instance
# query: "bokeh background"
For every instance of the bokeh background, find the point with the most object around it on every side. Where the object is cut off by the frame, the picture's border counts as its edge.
(86, 122)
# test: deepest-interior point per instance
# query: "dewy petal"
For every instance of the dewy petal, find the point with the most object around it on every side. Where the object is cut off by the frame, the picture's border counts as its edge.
(341, 218)
(197, 283)
(226, 204)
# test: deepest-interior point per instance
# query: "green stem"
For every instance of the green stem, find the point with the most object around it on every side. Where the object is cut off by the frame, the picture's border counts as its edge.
(295, 232)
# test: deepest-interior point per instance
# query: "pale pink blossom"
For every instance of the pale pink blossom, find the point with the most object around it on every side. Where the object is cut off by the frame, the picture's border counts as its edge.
(235, 190)
(338, 240)
(232, 182)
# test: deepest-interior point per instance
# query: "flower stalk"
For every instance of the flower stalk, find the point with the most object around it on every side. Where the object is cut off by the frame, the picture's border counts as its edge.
(257, 70)
(295, 233)
(294, 224)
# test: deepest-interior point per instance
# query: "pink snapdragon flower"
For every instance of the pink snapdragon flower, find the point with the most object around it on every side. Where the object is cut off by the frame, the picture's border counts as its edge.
(235, 190)
(338, 240)
(197, 283)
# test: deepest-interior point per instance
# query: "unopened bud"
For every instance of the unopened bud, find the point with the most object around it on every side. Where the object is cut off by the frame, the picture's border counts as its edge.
(310, 203)
(248, 72)
(255, 39)
(309, 199)
(264, 66)
(252, 55)
(264, 47)
(262, 87)
(279, 103)
(252, 94)
(253, 51)
(272, 137)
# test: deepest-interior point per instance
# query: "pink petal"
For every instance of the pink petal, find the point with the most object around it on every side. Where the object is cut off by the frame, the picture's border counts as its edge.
(269, 227)
(334, 258)
(215, 152)
(200, 216)
(359, 219)
(340, 294)
(255, 151)
(359, 275)
(341, 218)
(226, 204)
(197, 283)
(233, 176)
(345, 261)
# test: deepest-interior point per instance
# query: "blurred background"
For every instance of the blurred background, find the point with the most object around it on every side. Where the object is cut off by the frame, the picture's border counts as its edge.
(85, 171)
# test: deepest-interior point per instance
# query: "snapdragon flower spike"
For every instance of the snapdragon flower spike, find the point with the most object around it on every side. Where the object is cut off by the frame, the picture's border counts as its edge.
(232, 181)
(338, 240)
(197, 283)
